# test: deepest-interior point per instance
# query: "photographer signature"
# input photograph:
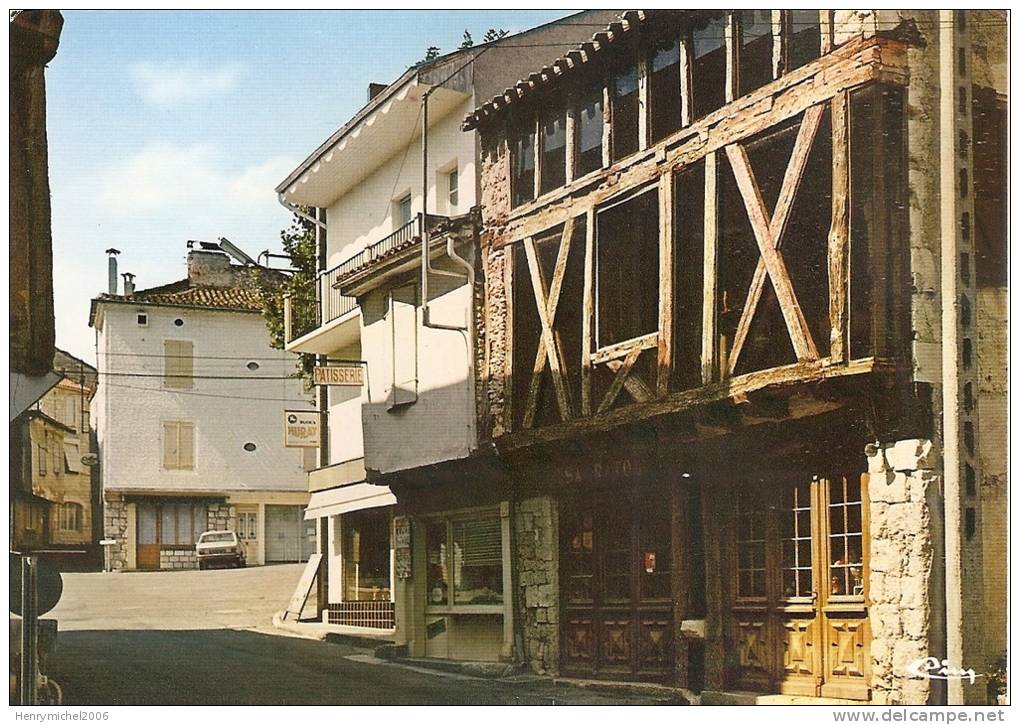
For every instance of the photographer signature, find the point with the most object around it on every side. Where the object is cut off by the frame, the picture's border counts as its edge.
(931, 668)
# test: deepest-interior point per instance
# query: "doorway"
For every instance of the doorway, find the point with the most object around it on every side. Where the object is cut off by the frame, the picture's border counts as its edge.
(615, 578)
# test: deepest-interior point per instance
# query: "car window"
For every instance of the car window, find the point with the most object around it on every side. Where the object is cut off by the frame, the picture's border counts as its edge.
(218, 537)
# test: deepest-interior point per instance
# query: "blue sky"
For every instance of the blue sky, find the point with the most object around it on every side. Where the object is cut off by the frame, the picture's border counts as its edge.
(170, 126)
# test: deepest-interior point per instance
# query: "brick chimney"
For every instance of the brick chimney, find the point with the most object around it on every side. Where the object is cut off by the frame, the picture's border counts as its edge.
(209, 269)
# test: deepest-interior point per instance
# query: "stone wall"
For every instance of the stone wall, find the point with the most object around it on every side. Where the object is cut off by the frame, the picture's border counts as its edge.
(494, 416)
(905, 585)
(115, 524)
(222, 517)
(536, 533)
(178, 559)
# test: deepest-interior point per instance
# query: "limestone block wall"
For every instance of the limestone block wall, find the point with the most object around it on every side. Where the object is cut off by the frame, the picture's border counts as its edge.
(115, 525)
(496, 312)
(906, 583)
(222, 517)
(178, 559)
(536, 531)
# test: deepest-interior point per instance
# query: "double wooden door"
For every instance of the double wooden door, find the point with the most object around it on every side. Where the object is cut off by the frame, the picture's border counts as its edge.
(615, 578)
(798, 618)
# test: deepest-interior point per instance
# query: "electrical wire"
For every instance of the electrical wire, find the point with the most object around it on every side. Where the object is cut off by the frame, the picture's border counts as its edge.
(210, 395)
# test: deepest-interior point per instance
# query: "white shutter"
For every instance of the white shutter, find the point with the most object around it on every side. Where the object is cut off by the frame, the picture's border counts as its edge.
(170, 446)
(187, 445)
(178, 364)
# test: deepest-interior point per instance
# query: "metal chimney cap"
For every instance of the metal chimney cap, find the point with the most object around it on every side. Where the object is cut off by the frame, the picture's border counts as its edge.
(111, 250)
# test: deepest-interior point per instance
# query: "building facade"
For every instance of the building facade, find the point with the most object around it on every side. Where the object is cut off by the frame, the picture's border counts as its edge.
(742, 351)
(189, 416)
(412, 511)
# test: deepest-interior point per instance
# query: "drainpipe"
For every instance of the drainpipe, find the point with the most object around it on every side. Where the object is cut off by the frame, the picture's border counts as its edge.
(426, 268)
(950, 355)
(295, 209)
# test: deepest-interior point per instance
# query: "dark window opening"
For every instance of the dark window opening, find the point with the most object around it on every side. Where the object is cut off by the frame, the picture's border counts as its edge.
(708, 70)
(968, 352)
(696, 606)
(968, 397)
(878, 224)
(688, 275)
(627, 269)
(971, 522)
(625, 111)
(968, 436)
(805, 37)
(589, 133)
(554, 152)
(526, 330)
(664, 86)
(522, 183)
(965, 267)
(971, 478)
(755, 49)
(990, 200)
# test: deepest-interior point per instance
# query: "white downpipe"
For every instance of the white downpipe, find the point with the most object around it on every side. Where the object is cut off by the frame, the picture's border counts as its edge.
(950, 354)
(295, 209)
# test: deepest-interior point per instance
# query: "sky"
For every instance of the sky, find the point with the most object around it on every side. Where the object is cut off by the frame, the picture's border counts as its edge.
(166, 126)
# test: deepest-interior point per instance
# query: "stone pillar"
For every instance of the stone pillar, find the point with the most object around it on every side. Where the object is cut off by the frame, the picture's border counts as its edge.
(115, 524)
(906, 585)
(536, 524)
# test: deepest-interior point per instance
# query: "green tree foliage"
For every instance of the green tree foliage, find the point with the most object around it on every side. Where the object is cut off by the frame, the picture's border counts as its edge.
(493, 34)
(299, 244)
(468, 40)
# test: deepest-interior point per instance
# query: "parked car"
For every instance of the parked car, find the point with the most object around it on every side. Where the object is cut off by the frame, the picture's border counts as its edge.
(219, 547)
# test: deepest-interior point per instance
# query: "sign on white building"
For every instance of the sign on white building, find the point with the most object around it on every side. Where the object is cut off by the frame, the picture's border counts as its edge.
(301, 428)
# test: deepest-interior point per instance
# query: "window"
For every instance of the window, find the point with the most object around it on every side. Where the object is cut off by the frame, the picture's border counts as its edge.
(70, 418)
(452, 192)
(796, 542)
(465, 555)
(248, 525)
(43, 455)
(991, 239)
(366, 556)
(589, 133)
(627, 249)
(252, 365)
(178, 445)
(72, 457)
(71, 516)
(755, 49)
(805, 37)
(522, 160)
(846, 553)
(750, 547)
(172, 523)
(664, 89)
(142, 319)
(709, 67)
(249, 447)
(553, 171)
(404, 338)
(178, 364)
(404, 210)
(56, 448)
(625, 111)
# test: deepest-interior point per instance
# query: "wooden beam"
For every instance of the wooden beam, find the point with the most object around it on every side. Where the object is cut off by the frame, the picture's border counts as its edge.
(587, 310)
(633, 384)
(777, 226)
(644, 106)
(839, 232)
(571, 137)
(664, 362)
(607, 122)
(732, 33)
(538, 156)
(621, 376)
(686, 78)
(825, 21)
(800, 335)
(780, 39)
(622, 349)
(709, 318)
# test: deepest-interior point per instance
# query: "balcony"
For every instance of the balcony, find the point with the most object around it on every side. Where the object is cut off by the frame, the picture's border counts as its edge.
(336, 313)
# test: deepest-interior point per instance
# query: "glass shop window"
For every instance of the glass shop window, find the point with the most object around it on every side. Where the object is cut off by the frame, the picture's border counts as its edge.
(846, 565)
(522, 152)
(664, 89)
(804, 32)
(750, 548)
(554, 152)
(465, 555)
(366, 556)
(589, 133)
(755, 49)
(625, 111)
(708, 68)
(627, 269)
(796, 541)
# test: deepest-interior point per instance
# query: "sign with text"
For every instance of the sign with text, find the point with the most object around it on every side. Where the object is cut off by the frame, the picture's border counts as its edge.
(301, 428)
(348, 374)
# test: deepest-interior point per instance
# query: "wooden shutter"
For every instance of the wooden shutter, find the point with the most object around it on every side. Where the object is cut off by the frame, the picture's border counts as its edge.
(178, 363)
(170, 446)
(186, 443)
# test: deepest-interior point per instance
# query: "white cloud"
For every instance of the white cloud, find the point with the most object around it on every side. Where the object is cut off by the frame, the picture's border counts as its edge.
(167, 85)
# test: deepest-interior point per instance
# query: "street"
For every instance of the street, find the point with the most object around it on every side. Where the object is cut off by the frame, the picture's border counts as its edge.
(206, 638)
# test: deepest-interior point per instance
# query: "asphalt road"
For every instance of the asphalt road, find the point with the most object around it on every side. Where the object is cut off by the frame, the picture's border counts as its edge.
(206, 638)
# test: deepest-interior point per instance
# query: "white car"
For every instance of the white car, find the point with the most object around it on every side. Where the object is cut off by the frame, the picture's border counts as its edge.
(219, 547)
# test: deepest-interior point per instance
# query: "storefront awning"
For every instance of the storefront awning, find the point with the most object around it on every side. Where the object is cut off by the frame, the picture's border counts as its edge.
(345, 499)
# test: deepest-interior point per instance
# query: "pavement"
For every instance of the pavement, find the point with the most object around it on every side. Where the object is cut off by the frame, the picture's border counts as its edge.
(207, 638)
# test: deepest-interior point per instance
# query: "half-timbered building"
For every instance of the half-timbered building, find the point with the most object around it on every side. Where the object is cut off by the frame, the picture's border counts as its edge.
(735, 265)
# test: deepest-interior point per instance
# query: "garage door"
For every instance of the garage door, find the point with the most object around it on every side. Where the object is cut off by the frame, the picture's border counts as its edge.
(288, 536)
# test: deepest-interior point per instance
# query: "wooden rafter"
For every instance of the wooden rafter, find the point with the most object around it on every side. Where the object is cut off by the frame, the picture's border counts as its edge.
(621, 376)
(549, 349)
(634, 385)
(769, 234)
(839, 232)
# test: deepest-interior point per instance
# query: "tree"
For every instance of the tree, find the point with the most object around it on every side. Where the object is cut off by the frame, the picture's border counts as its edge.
(299, 244)
(468, 40)
(493, 34)
(431, 53)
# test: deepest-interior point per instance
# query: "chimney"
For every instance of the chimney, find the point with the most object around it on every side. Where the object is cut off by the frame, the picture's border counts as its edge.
(112, 271)
(207, 268)
(374, 89)
(129, 284)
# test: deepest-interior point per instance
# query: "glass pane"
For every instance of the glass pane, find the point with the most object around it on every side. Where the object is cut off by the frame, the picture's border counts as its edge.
(184, 521)
(366, 556)
(589, 136)
(146, 524)
(625, 111)
(554, 152)
(523, 182)
(168, 521)
(437, 581)
(199, 519)
(665, 90)
(478, 561)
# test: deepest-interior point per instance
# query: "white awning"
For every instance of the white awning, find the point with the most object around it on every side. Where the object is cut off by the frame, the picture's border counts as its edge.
(357, 497)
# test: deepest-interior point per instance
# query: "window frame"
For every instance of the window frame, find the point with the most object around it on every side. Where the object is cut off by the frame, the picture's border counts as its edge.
(178, 368)
(178, 426)
(450, 606)
(343, 529)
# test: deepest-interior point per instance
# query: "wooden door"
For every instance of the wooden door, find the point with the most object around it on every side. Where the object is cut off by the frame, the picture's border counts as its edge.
(616, 603)
(799, 617)
(147, 537)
